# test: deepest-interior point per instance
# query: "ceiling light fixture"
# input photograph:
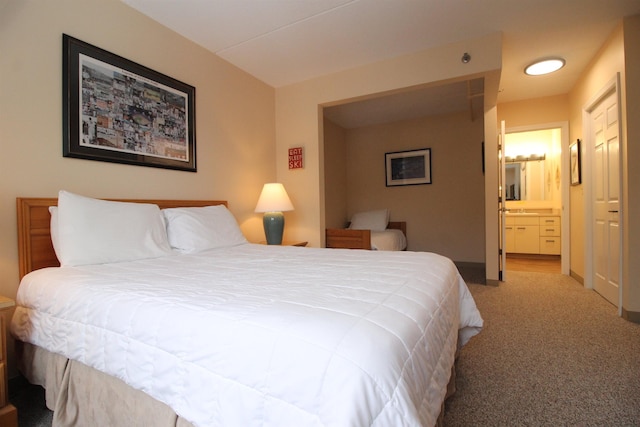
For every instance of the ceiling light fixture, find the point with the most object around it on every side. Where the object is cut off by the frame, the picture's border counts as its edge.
(544, 66)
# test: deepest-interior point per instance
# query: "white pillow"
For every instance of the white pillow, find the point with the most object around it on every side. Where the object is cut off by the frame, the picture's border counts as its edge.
(93, 231)
(197, 229)
(370, 220)
(53, 229)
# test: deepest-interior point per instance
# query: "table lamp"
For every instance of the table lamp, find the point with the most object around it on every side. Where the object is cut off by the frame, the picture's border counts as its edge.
(273, 201)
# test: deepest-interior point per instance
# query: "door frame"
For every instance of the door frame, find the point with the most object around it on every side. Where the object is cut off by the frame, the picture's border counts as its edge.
(502, 210)
(565, 212)
(612, 86)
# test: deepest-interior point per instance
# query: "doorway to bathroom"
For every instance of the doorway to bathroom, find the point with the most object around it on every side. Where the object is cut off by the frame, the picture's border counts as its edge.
(537, 264)
(536, 224)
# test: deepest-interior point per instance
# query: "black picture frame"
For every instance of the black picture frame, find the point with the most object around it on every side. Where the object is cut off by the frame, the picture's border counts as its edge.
(412, 167)
(115, 110)
(575, 163)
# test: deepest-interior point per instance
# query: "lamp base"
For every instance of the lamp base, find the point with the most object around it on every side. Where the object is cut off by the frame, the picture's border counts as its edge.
(273, 227)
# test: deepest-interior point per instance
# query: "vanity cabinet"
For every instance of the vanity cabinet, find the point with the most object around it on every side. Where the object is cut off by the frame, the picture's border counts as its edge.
(509, 234)
(549, 235)
(525, 232)
(532, 234)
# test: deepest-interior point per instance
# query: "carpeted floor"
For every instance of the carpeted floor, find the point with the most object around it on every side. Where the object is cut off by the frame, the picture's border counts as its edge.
(551, 354)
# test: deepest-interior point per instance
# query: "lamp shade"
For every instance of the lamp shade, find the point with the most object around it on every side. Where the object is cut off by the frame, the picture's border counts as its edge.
(274, 198)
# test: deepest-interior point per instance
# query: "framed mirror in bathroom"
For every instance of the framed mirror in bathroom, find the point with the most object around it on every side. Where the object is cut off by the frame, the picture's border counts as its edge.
(525, 179)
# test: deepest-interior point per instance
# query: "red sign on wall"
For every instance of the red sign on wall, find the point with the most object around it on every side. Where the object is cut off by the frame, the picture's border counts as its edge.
(295, 158)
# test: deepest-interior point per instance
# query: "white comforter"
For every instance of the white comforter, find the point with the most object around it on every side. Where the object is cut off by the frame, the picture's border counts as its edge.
(263, 335)
(388, 240)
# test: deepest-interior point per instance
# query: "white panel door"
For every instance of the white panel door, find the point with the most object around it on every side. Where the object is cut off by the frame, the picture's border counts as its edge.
(606, 199)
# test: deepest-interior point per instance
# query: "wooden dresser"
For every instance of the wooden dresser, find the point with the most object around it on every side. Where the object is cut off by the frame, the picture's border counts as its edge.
(8, 412)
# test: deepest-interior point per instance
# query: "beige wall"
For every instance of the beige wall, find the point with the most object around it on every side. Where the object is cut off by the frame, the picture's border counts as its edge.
(234, 124)
(631, 275)
(530, 112)
(299, 121)
(446, 216)
(335, 174)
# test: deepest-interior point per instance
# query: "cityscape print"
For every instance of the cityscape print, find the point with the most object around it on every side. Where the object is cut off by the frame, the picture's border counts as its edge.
(125, 112)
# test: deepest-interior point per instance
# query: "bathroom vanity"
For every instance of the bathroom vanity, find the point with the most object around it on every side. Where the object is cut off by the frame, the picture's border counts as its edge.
(532, 233)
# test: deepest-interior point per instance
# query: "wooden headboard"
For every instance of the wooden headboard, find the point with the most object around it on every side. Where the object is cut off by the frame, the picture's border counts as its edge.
(35, 249)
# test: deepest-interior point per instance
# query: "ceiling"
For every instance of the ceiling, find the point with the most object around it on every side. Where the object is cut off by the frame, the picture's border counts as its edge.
(286, 41)
(442, 99)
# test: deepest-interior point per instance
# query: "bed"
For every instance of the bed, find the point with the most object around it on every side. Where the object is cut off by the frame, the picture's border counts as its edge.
(393, 238)
(369, 230)
(237, 334)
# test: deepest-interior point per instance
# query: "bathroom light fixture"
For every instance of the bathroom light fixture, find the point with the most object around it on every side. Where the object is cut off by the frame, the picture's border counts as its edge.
(522, 158)
(544, 66)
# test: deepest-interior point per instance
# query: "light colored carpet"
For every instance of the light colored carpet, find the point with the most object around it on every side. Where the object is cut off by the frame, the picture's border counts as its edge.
(551, 354)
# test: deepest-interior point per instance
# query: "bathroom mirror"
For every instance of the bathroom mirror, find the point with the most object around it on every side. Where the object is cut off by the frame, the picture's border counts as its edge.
(525, 180)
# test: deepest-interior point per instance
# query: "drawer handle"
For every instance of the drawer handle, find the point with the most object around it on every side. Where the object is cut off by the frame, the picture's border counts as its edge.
(551, 241)
(550, 229)
(613, 211)
(521, 228)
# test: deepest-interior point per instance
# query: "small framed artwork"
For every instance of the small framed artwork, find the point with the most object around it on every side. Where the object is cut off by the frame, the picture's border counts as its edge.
(575, 163)
(408, 167)
(296, 159)
(115, 110)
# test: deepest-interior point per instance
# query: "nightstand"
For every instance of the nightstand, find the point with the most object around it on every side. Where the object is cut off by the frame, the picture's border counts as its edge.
(8, 412)
(288, 243)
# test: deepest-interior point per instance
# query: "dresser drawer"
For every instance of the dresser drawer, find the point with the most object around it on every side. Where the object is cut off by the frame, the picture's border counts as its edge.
(4, 399)
(549, 220)
(7, 412)
(550, 245)
(549, 230)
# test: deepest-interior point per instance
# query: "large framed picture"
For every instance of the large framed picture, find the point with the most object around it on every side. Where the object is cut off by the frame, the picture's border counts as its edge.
(408, 167)
(575, 163)
(116, 110)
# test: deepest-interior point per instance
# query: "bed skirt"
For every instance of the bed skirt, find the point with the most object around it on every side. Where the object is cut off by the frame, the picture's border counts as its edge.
(80, 395)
